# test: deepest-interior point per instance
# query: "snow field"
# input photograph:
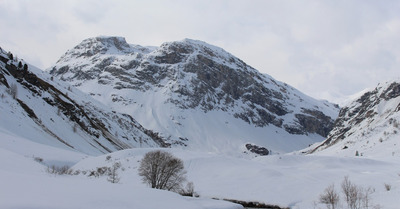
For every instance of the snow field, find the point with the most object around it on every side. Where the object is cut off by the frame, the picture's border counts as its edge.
(289, 180)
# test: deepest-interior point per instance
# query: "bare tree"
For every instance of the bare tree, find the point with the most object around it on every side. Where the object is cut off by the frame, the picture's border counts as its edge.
(352, 193)
(366, 199)
(330, 197)
(161, 170)
(346, 188)
(113, 173)
(356, 196)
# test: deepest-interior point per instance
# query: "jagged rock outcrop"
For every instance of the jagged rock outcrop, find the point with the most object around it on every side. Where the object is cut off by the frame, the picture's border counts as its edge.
(368, 121)
(252, 148)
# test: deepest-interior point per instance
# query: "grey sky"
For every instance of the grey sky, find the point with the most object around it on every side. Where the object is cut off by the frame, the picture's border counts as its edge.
(328, 49)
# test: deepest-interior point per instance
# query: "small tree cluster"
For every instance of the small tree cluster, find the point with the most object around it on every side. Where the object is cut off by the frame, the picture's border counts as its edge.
(161, 170)
(59, 170)
(110, 172)
(356, 197)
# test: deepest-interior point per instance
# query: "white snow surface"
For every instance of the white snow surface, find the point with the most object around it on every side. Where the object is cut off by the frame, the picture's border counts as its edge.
(293, 181)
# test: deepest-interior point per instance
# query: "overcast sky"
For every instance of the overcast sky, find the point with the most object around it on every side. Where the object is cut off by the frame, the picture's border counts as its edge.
(328, 49)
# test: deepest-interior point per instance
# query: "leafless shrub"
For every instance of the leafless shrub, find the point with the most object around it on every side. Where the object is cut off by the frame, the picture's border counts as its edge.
(38, 159)
(366, 197)
(330, 197)
(356, 196)
(346, 188)
(189, 190)
(388, 187)
(108, 157)
(353, 194)
(161, 170)
(113, 176)
(59, 170)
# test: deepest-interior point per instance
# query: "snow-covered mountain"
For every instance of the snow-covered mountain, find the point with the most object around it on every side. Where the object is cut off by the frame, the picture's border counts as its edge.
(368, 126)
(196, 95)
(46, 123)
(41, 108)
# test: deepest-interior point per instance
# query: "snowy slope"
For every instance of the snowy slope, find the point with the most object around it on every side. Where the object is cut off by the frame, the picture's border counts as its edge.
(196, 95)
(51, 112)
(369, 126)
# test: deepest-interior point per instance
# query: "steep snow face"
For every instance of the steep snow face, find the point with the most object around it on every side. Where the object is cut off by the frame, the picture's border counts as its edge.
(35, 106)
(369, 126)
(195, 94)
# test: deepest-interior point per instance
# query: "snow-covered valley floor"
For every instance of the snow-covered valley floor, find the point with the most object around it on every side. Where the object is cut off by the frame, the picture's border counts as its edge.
(293, 181)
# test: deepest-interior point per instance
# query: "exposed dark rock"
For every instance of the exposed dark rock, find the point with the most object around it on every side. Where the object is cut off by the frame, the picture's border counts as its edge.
(257, 149)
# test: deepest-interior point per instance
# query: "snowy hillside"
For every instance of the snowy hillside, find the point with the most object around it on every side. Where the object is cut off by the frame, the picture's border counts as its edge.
(368, 126)
(35, 106)
(196, 95)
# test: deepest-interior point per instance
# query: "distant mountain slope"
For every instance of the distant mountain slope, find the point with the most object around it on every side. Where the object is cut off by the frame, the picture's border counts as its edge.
(369, 126)
(38, 107)
(195, 94)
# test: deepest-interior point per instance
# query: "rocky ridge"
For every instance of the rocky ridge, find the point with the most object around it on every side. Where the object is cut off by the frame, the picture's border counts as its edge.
(51, 104)
(197, 75)
(189, 75)
(369, 122)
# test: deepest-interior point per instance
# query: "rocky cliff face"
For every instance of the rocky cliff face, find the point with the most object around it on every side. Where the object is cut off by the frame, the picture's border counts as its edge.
(190, 75)
(370, 121)
(68, 117)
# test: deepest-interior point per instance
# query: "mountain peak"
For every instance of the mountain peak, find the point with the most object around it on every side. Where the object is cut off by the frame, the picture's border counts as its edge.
(191, 75)
(101, 45)
(105, 43)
